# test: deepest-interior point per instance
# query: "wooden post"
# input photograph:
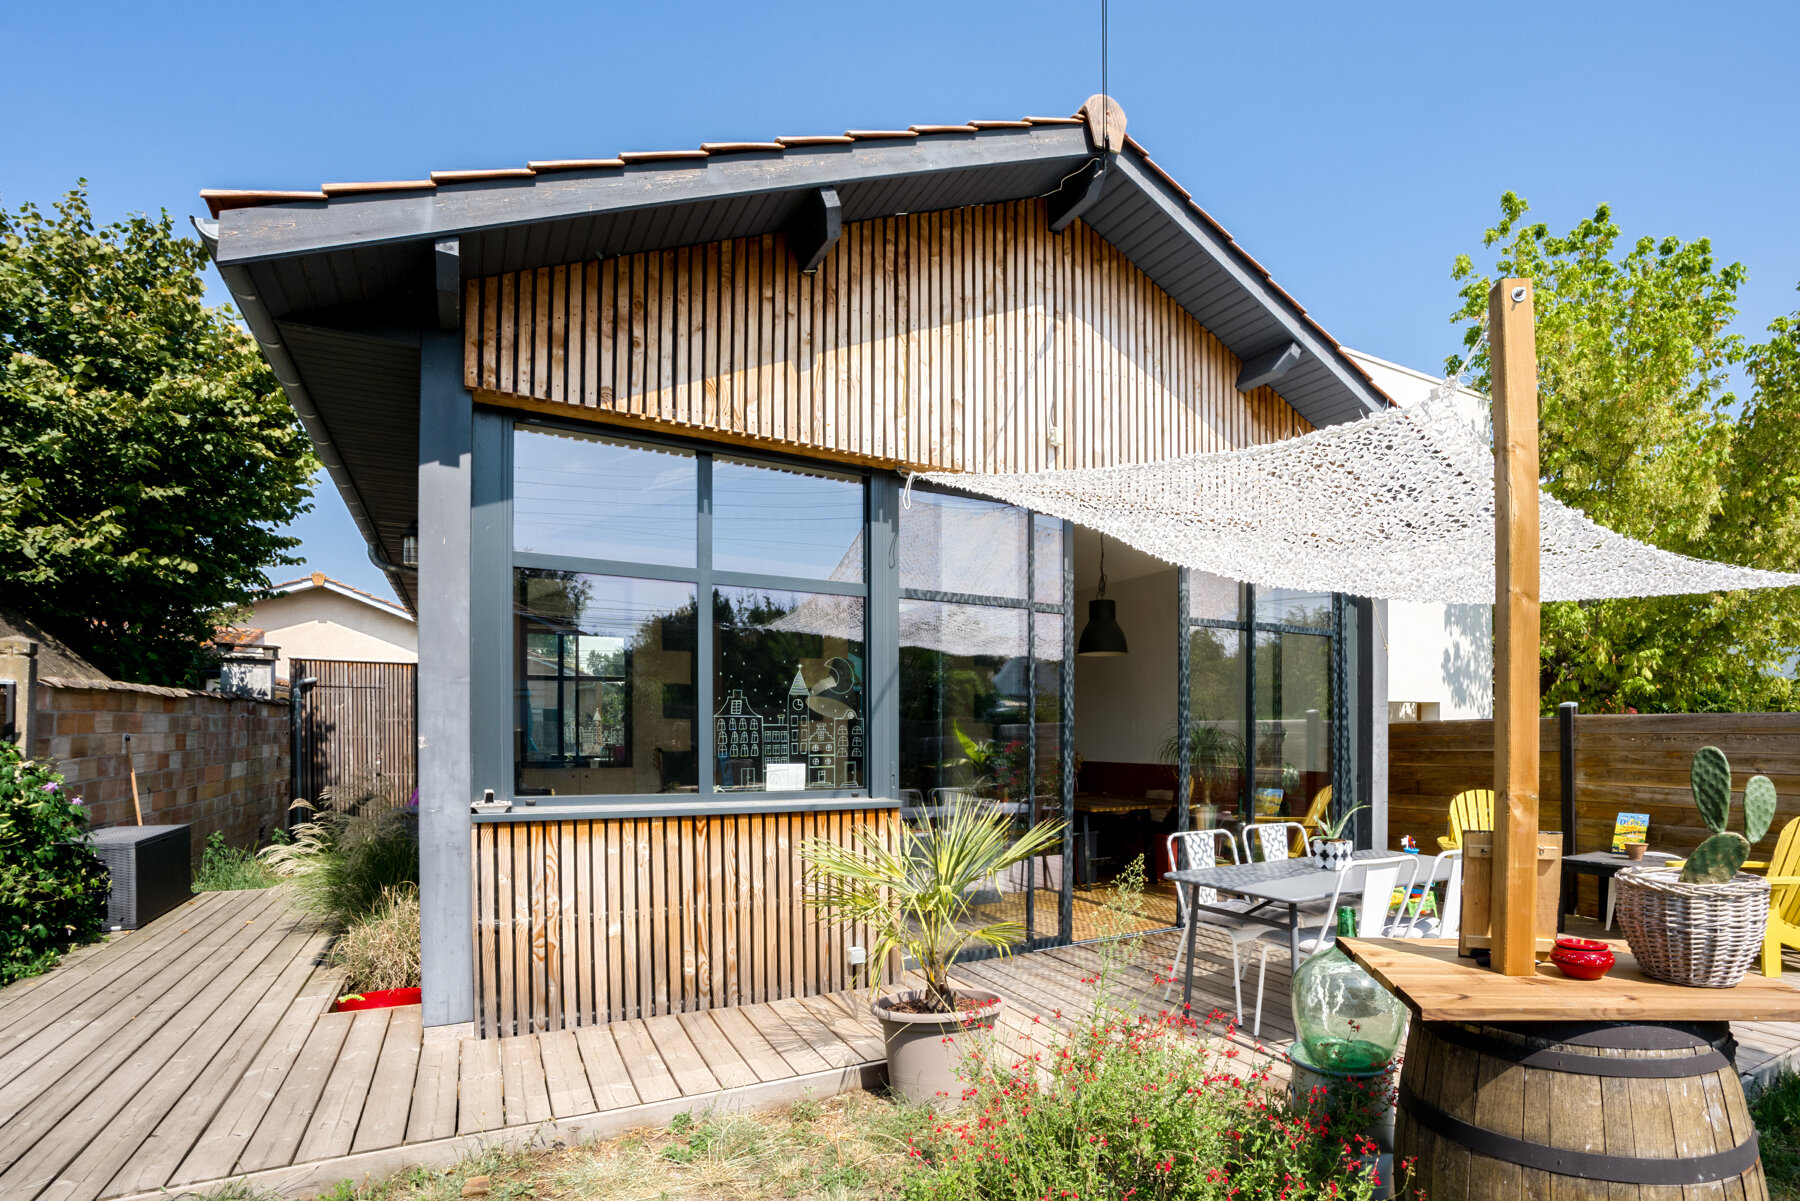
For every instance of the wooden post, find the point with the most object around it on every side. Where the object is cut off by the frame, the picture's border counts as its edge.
(1513, 355)
(131, 769)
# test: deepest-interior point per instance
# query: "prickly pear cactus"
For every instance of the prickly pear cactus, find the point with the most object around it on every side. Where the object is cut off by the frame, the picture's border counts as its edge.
(1759, 807)
(1716, 860)
(1711, 777)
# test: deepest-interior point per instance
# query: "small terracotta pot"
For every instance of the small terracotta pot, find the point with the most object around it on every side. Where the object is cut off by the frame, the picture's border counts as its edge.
(1581, 958)
(1635, 850)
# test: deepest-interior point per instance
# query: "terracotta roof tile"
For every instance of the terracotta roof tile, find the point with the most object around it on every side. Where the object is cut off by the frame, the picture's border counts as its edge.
(1001, 124)
(739, 147)
(220, 199)
(1054, 120)
(870, 135)
(391, 185)
(815, 139)
(476, 176)
(539, 167)
(659, 156)
(943, 128)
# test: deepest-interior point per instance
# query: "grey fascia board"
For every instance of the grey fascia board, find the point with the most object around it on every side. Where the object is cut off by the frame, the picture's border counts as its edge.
(281, 230)
(268, 340)
(1327, 353)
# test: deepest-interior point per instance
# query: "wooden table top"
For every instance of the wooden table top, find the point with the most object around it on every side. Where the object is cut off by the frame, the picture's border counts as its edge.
(1428, 975)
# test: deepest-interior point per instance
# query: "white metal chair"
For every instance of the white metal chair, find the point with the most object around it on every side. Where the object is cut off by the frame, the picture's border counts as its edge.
(1380, 878)
(1412, 922)
(1197, 849)
(1276, 839)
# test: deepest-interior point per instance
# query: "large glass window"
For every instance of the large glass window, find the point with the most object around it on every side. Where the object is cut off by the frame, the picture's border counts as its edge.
(603, 671)
(969, 547)
(788, 683)
(620, 688)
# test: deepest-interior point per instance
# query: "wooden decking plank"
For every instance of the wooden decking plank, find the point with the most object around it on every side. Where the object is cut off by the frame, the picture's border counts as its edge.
(60, 1038)
(862, 1037)
(124, 1136)
(176, 1131)
(649, 1076)
(787, 1042)
(332, 1127)
(278, 1136)
(818, 1036)
(217, 1149)
(385, 1113)
(607, 1077)
(433, 1113)
(763, 1059)
(85, 970)
(46, 1134)
(564, 1074)
(524, 1092)
(679, 1055)
(480, 1103)
(722, 1059)
(1020, 991)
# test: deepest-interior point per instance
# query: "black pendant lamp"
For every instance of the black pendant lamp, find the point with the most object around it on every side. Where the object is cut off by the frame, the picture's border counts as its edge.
(1103, 636)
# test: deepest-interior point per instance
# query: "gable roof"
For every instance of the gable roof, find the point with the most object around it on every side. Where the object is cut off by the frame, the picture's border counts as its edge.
(320, 580)
(336, 283)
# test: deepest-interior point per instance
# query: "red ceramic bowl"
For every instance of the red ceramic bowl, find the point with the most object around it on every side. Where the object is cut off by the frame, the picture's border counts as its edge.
(1582, 958)
(381, 998)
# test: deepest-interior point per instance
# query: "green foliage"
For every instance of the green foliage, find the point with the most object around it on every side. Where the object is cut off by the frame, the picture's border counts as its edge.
(52, 885)
(381, 950)
(1214, 753)
(1722, 856)
(225, 868)
(916, 895)
(1139, 1106)
(344, 864)
(147, 456)
(1776, 1112)
(1639, 431)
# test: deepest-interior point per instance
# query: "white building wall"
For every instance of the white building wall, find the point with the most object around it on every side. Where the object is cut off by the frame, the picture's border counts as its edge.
(1440, 657)
(317, 623)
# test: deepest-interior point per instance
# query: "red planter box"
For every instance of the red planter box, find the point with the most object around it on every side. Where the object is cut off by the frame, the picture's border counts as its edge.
(383, 998)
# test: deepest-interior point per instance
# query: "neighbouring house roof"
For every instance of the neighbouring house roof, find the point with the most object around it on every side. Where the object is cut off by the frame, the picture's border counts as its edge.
(319, 580)
(337, 282)
(237, 635)
(54, 658)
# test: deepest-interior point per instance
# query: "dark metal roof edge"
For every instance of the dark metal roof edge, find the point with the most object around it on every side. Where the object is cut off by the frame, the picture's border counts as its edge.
(1250, 276)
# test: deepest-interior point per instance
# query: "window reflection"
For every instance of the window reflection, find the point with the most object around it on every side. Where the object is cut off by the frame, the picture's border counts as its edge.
(1214, 597)
(601, 498)
(956, 544)
(964, 701)
(788, 686)
(1283, 606)
(1215, 722)
(1293, 720)
(1047, 559)
(782, 521)
(604, 684)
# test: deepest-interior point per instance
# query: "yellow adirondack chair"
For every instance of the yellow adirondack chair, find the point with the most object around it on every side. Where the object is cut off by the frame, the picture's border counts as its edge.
(1471, 810)
(1321, 805)
(1784, 898)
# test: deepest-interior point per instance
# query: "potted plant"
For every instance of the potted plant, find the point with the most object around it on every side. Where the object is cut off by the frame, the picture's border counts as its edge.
(1333, 849)
(1213, 754)
(916, 898)
(1704, 927)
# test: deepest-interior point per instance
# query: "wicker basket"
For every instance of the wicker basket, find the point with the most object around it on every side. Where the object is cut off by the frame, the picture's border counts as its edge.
(1704, 935)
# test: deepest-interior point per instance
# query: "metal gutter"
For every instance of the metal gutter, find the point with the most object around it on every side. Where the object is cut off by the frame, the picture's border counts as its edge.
(268, 338)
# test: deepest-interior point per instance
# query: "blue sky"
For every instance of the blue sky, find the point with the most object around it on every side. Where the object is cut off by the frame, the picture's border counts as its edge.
(1353, 149)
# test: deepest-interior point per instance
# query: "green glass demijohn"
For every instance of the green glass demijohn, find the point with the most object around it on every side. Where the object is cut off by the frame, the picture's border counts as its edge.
(1344, 1020)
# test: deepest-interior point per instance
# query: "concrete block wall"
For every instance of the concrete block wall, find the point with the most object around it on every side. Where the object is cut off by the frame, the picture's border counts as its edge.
(216, 762)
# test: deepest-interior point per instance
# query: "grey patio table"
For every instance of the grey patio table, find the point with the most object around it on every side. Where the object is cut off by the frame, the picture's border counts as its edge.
(1275, 884)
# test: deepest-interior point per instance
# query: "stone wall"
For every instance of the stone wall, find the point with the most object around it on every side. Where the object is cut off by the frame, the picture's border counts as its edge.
(216, 762)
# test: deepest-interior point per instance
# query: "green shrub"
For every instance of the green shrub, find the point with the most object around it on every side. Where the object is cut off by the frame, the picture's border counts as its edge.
(52, 885)
(382, 949)
(1776, 1112)
(225, 868)
(343, 864)
(1142, 1107)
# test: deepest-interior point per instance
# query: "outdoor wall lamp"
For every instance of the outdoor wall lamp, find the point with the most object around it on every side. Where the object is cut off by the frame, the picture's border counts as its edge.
(1103, 635)
(409, 546)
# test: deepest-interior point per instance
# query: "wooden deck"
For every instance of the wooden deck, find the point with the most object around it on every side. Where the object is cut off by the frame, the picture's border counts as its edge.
(200, 1049)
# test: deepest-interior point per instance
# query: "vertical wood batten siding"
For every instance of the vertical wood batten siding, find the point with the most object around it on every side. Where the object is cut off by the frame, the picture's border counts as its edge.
(952, 340)
(358, 730)
(585, 922)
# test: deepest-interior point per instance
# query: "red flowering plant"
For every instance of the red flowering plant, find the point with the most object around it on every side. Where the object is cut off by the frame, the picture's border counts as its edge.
(1125, 1103)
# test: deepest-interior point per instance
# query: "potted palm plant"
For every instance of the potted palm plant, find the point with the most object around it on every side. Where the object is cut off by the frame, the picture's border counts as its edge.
(1214, 752)
(917, 898)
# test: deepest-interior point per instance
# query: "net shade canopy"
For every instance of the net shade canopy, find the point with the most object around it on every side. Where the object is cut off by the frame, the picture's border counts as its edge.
(1399, 506)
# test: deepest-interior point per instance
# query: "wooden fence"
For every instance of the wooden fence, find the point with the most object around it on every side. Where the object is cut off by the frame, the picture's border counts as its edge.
(593, 921)
(1631, 763)
(354, 730)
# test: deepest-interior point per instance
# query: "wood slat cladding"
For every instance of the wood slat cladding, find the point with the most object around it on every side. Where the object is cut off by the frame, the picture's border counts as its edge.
(955, 340)
(358, 730)
(594, 921)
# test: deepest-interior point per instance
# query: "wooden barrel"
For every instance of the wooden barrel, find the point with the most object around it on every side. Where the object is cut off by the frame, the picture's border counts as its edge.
(1576, 1110)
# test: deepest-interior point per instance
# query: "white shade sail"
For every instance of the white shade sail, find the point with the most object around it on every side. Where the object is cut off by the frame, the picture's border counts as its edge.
(1399, 505)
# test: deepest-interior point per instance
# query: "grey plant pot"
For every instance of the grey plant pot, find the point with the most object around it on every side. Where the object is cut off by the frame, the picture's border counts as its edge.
(924, 1049)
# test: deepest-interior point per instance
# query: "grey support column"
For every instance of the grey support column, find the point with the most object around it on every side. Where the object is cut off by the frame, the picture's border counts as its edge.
(882, 686)
(446, 784)
(1372, 716)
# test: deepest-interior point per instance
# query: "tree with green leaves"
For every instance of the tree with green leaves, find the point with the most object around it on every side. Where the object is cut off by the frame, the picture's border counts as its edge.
(1639, 430)
(147, 455)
